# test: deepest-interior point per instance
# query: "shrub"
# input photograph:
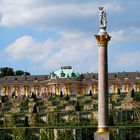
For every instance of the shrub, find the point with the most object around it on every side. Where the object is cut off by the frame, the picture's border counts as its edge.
(19, 134)
(43, 135)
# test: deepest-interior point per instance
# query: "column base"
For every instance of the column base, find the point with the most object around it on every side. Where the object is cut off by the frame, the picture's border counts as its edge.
(102, 130)
(102, 133)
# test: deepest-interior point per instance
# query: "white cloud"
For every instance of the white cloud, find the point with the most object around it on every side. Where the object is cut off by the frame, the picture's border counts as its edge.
(113, 6)
(68, 19)
(52, 54)
(127, 60)
(27, 48)
(73, 48)
(127, 35)
(46, 14)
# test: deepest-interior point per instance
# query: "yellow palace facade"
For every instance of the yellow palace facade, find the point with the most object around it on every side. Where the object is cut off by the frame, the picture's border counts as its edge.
(68, 81)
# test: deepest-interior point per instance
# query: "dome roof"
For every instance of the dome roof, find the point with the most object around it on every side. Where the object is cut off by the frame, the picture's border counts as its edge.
(65, 72)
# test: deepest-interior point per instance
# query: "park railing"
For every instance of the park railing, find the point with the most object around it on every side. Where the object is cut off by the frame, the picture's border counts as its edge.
(67, 133)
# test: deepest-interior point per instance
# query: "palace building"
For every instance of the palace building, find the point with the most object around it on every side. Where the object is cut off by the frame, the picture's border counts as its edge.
(68, 81)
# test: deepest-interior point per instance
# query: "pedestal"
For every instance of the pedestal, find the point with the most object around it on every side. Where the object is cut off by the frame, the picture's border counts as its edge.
(102, 136)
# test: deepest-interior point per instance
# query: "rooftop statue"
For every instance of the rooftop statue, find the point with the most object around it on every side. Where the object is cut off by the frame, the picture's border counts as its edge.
(103, 20)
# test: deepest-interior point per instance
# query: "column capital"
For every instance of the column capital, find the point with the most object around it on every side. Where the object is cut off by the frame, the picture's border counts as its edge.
(102, 40)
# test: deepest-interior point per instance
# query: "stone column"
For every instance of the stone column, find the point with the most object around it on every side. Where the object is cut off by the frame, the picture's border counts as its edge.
(102, 40)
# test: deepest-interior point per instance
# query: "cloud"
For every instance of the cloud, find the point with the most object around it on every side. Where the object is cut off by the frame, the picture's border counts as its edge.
(124, 52)
(62, 15)
(127, 60)
(127, 35)
(27, 48)
(52, 54)
(74, 21)
(73, 48)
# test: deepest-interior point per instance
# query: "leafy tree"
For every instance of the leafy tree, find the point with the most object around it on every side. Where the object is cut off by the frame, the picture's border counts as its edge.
(6, 71)
(19, 72)
(26, 73)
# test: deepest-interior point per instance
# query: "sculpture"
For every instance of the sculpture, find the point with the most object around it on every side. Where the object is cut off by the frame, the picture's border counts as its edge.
(103, 20)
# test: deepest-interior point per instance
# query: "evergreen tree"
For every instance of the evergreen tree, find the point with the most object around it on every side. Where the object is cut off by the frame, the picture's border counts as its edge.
(26, 122)
(119, 91)
(77, 107)
(132, 93)
(67, 97)
(34, 109)
(90, 93)
(61, 94)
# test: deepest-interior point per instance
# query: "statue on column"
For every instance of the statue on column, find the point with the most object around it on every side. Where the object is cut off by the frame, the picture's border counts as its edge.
(103, 20)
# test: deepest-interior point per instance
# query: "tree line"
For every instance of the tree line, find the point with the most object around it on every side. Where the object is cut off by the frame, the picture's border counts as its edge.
(7, 71)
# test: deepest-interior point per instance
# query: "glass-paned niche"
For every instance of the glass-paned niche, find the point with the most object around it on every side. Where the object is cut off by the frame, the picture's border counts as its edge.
(89, 90)
(73, 90)
(62, 89)
(43, 90)
(21, 91)
(12, 91)
(2, 91)
(53, 90)
(31, 91)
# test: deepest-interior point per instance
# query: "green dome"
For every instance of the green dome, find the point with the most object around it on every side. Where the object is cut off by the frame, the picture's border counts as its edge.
(66, 72)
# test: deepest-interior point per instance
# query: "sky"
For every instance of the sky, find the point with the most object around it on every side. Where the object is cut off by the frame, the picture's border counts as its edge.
(40, 36)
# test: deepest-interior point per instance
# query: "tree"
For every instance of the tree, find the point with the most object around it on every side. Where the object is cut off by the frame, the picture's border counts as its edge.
(90, 93)
(34, 109)
(111, 120)
(6, 71)
(26, 73)
(119, 91)
(132, 93)
(19, 72)
(67, 97)
(26, 122)
(61, 94)
(77, 107)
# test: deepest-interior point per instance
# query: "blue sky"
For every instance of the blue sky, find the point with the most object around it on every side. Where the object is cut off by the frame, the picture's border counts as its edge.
(39, 36)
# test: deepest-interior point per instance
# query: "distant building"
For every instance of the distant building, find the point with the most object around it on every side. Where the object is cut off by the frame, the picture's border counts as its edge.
(67, 81)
